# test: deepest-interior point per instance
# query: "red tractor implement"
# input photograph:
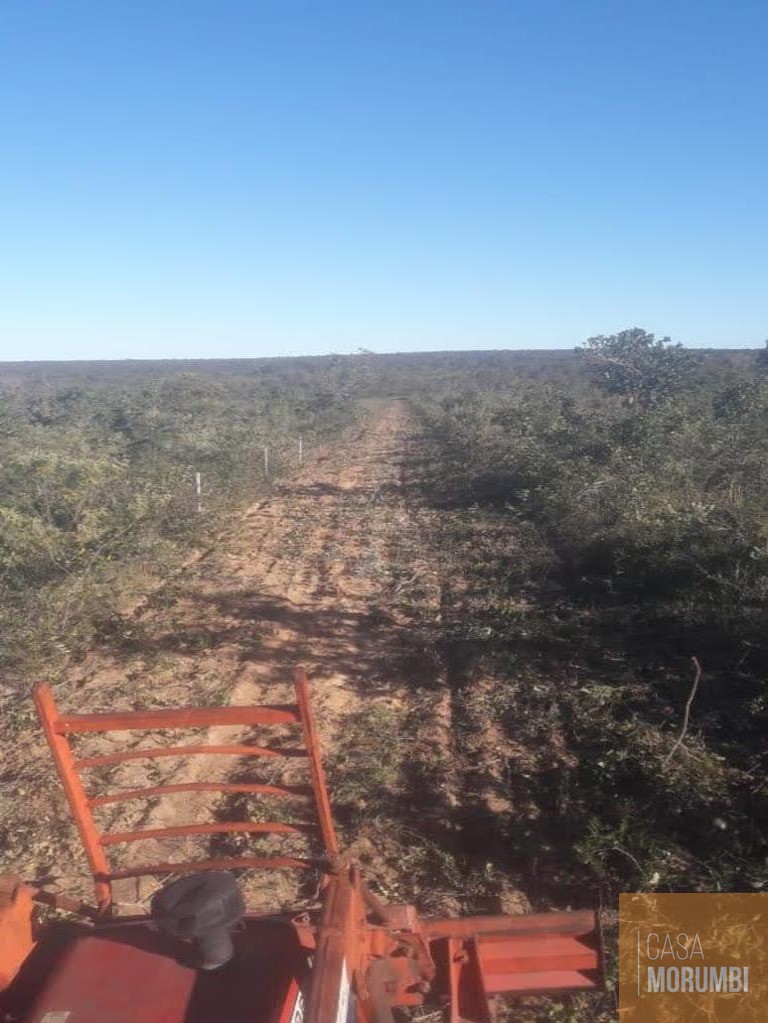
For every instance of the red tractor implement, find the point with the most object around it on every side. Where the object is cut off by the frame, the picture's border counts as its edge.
(200, 956)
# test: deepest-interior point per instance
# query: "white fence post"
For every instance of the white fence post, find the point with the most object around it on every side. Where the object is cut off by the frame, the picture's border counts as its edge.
(266, 462)
(199, 491)
(301, 450)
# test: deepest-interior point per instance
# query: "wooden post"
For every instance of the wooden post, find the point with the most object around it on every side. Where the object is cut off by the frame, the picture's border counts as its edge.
(266, 462)
(199, 491)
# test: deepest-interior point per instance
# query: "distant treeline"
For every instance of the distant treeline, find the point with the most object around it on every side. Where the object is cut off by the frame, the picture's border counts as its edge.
(382, 373)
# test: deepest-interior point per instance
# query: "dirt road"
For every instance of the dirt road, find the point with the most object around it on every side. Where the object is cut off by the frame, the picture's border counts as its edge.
(321, 573)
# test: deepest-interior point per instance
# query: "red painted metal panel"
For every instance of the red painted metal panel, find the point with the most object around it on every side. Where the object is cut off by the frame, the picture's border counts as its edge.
(536, 962)
(454, 959)
(584, 960)
(192, 717)
(201, 786)
(539, 982)
(480, 957)
(16, 930)
(338, 949)
(133, 975)
(292, 1008)
(101, 980)
(524, 946)
(580, 921)
(462, 978)
(474, 990)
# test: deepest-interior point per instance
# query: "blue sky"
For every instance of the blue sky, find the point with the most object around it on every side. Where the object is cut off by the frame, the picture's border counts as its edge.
(181, 178)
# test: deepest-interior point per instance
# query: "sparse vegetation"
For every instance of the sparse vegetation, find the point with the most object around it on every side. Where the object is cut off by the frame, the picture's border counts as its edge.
(97, 493)
(512, 602)
(608, 541)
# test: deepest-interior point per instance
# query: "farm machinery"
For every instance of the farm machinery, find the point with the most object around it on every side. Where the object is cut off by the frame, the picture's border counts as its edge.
(200, 956)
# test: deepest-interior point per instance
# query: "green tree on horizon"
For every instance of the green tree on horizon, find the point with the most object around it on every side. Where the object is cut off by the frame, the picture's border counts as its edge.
(637, 366)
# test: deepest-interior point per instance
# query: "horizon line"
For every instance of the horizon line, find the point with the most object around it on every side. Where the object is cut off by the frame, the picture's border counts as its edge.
(361, 351)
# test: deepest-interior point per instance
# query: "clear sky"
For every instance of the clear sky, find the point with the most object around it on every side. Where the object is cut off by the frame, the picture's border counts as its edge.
(190, 178)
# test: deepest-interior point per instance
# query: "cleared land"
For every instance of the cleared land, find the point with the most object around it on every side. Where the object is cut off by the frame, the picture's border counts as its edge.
(335, 570)
(496, 582)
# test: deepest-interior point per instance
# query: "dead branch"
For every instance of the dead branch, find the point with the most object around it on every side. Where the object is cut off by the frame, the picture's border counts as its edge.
(687, 714)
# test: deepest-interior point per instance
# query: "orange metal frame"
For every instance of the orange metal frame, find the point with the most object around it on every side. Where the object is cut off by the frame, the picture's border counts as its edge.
(387, 957)
(58, 727)
(379, 957)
